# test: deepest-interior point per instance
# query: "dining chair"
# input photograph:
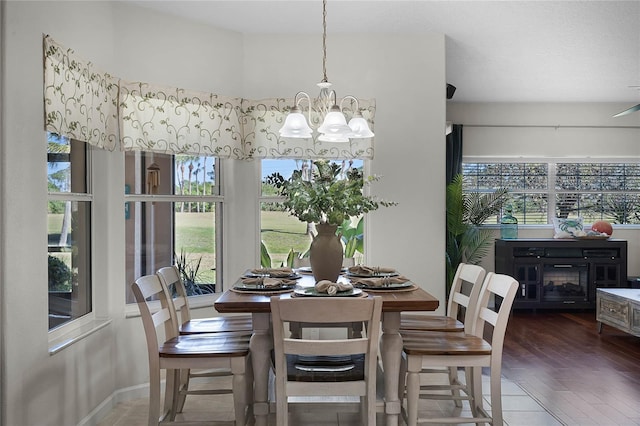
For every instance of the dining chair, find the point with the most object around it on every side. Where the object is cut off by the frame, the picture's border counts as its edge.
(336, 367)
(463, 297)
(170, 277)
(177, 352)
(468, 278)
(353, 329)
(471, 350)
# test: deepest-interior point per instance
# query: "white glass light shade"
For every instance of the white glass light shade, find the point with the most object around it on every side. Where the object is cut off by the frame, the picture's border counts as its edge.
(295, 126)
(332, 138)
(360, 127)
(335, 125)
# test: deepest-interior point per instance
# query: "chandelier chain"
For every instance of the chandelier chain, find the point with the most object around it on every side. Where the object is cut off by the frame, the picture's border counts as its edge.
(324, 41)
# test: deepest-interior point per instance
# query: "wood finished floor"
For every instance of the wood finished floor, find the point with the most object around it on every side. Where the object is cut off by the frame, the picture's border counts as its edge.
(582, 377)
(557, 370)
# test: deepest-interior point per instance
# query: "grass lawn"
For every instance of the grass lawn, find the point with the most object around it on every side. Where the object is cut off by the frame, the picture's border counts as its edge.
(282, 232)
(195, 234)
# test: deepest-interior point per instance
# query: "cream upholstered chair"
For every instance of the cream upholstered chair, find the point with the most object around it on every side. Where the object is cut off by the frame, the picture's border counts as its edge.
(469, 349)
(467, 275)
(178, 352)
(299, 363)
(170, 277)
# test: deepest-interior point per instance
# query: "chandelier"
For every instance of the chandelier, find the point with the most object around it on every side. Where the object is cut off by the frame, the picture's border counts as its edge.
(334, 127)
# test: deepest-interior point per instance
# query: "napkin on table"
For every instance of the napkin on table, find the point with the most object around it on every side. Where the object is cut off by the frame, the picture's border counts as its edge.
(267, 282)
(331, 288)
(273, 272)
(370, 270)
(379, 282)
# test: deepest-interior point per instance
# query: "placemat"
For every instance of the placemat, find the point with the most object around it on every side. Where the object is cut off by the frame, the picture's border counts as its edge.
(399, 290)
(263, 292)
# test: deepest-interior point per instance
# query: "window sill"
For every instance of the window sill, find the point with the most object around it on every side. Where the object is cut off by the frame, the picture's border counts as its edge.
(77, 334)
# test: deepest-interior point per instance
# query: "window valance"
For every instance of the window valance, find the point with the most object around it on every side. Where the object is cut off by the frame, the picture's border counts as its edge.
(92, 106)
(80, 101)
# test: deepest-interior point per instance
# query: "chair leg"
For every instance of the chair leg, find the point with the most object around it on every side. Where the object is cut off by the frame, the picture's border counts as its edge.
(413, 389)
(183, 387)
(496, 397)
(475, 387)
(154, 398)
(172, 392)
(453, 380)
(240, 387)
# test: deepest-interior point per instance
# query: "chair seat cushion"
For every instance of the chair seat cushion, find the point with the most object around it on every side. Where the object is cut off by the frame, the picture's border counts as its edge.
(217, 325)
(443, 343)
(207, 345)
(430, 323)
(325, 368)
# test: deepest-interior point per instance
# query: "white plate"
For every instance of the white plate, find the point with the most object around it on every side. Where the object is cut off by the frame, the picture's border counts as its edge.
(393, 286)
(311, 291)
(307, 270)
(378, 275)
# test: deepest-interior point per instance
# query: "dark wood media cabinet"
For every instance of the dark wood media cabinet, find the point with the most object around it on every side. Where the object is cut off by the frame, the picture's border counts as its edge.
(562, 273)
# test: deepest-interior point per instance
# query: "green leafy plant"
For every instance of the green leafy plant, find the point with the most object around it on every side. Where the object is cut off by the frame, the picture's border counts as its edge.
(190, 273)
(329, 195)
(60, 275)
(352, 237)
(467, 241)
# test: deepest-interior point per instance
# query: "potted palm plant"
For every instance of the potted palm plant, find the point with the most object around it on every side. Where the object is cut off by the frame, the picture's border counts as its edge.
(327, 196)
(467, 241)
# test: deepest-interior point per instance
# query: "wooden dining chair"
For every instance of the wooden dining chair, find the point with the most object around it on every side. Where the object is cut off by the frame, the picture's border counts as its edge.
(471, 350)
(177, 352)
(336, 367)
(468, 278)
(353, 329)
(170, 277)
(463, 298)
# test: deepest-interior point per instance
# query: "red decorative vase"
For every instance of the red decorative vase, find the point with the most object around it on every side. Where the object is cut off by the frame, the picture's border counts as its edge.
(325, 253)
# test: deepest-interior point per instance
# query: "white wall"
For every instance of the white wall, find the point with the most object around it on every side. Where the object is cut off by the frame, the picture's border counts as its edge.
(137, 44)
(554, 131)
(129, 42)
(408, 85)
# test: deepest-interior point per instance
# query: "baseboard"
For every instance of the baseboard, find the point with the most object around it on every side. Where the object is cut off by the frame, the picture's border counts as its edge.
(121, 395)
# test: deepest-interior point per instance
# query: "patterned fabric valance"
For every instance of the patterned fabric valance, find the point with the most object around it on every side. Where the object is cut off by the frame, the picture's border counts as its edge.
(94, 107)
(176, 121)
(80, 102)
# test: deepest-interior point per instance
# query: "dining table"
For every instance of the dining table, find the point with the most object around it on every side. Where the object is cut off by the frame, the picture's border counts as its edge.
(407, 298)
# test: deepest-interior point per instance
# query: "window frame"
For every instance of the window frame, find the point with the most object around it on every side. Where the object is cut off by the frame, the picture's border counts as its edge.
(551, 190)
(217, 198)
(62, 335)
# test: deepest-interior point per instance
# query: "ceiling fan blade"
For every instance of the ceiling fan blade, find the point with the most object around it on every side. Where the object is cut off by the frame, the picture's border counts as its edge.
(628, 111)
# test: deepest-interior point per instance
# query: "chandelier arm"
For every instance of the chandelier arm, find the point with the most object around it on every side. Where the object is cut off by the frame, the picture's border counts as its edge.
(300, 96)
(352, 98)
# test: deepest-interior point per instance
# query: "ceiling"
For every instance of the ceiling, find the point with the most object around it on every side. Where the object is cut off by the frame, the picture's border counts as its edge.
(496, 51)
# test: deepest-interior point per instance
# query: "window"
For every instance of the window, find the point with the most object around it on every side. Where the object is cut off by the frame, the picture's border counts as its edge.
(539, 191)
(283, 235)
(68, 230)
(171, 217)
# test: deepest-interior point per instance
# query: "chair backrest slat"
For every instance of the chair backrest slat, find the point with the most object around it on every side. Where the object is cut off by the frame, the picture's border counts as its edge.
(472, 275)
(169, 275)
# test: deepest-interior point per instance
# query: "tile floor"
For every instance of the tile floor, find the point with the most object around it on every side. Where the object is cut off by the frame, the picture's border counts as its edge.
(519, 409)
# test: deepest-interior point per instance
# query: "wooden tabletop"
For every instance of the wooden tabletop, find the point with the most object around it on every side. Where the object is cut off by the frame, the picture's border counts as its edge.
(393, 301)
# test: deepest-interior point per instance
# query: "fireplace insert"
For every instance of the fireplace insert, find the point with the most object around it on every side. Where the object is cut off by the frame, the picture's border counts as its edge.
(561, 273)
